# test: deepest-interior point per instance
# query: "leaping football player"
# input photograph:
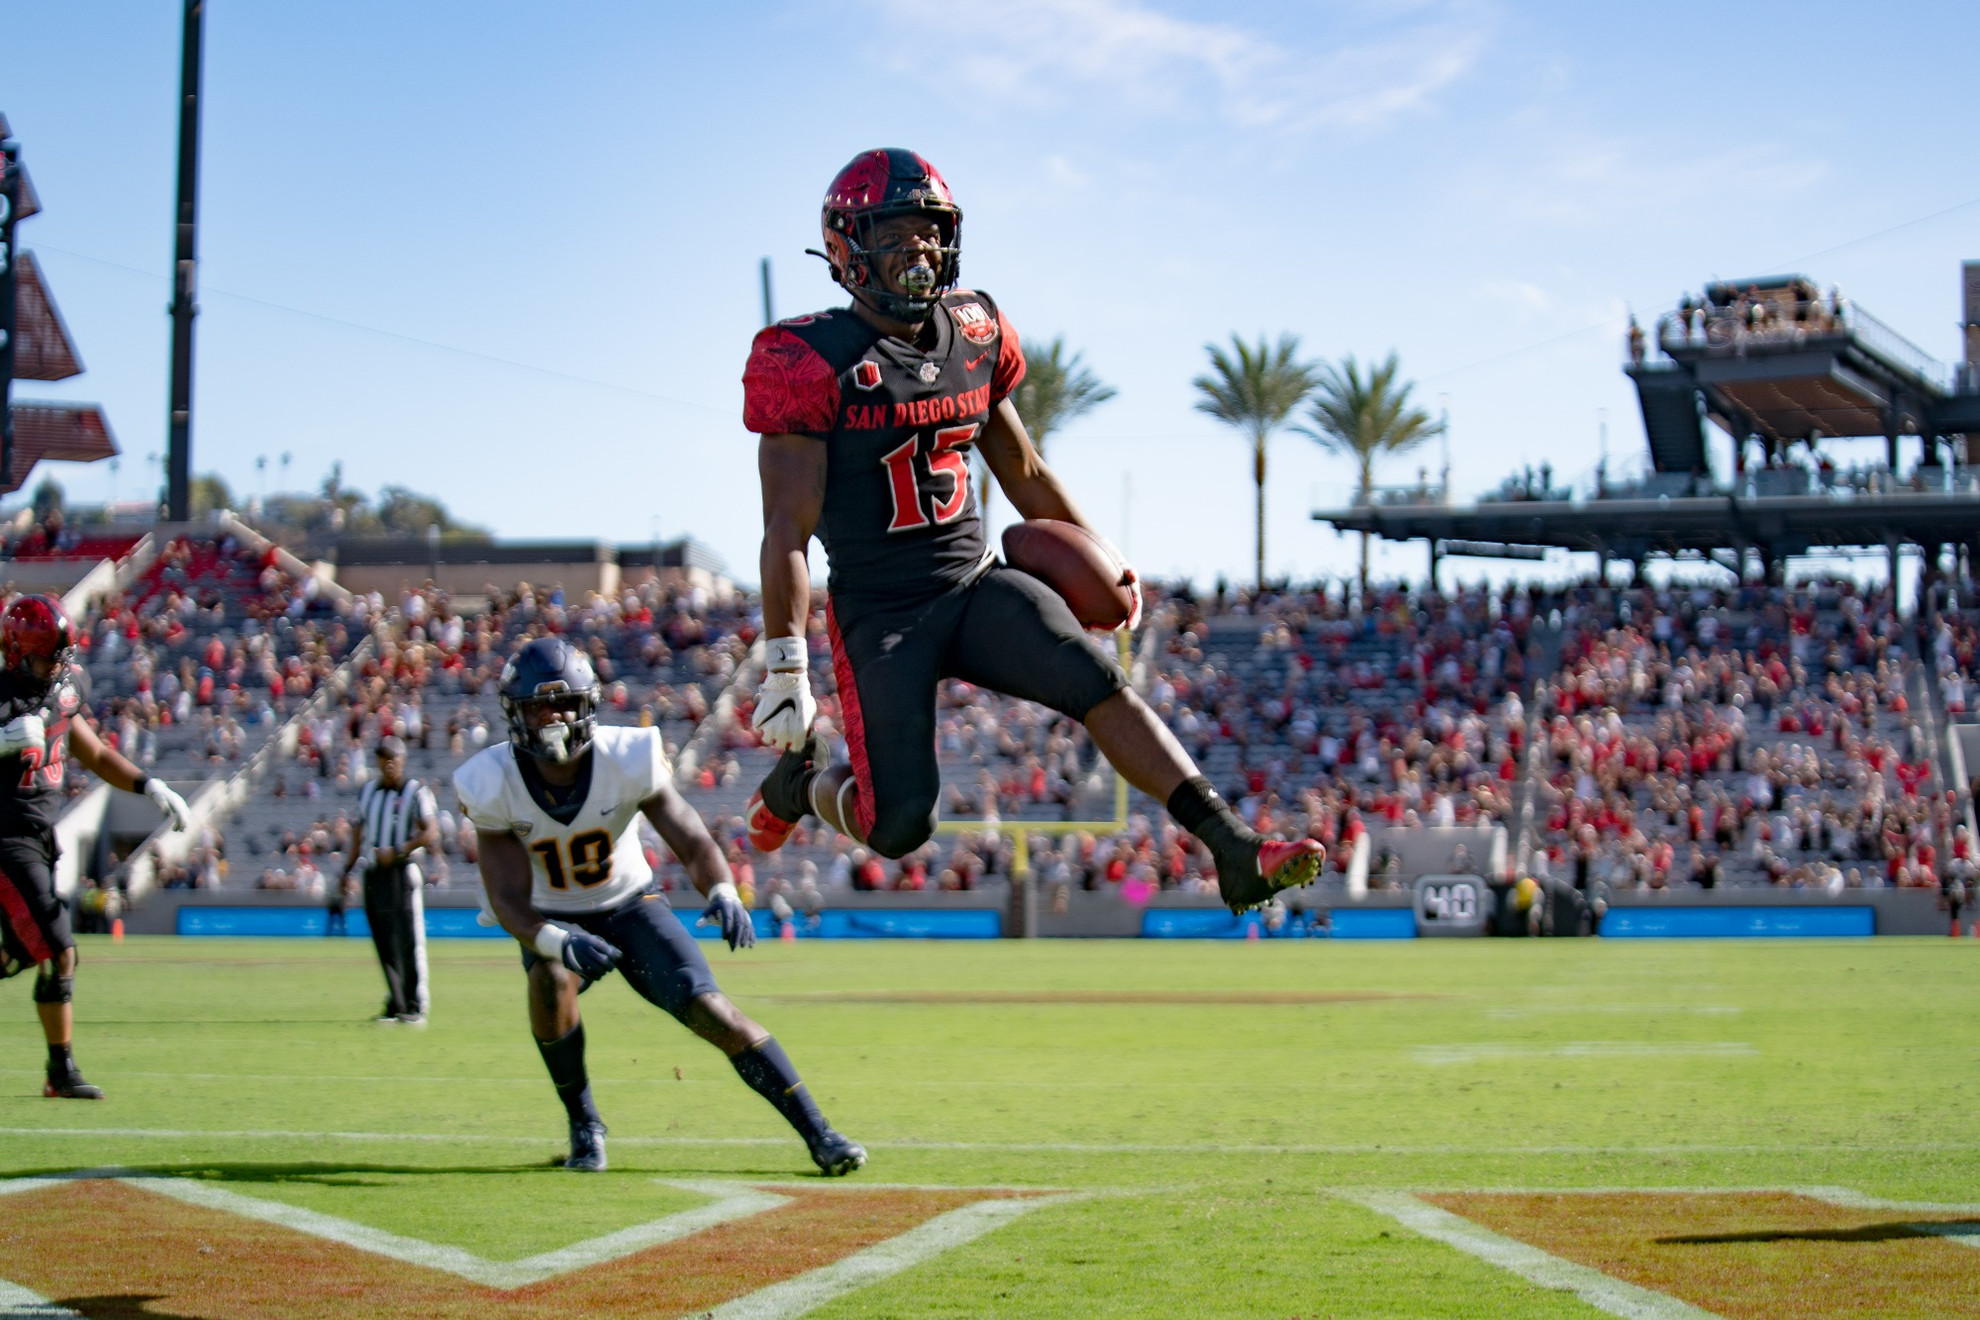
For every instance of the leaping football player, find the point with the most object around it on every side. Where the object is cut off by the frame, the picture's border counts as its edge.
(42, 691)
(557, 811)
(867, 415)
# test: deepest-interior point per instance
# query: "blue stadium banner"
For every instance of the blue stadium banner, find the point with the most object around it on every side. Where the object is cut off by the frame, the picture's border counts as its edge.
(1724, 923)
(1219, 924)
(871, 924)
(449, 923)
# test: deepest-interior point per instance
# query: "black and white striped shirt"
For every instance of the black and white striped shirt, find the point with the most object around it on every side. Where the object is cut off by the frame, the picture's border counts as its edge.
(393, 816)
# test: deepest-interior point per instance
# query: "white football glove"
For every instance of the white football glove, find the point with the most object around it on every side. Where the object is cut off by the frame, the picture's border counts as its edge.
(17, 735)
(784, 705)
(170, 804)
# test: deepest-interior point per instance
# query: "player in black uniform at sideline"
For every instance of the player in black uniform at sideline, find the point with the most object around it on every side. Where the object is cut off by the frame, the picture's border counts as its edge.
(867, 416)
(42, 692)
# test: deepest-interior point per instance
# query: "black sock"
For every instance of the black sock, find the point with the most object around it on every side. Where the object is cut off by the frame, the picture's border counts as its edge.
(768, 1071)
(564, 1057)
(1198, 809)
(59, 1059)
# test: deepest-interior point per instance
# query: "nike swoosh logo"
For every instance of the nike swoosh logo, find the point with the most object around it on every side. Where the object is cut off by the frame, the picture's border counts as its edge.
(969, 364)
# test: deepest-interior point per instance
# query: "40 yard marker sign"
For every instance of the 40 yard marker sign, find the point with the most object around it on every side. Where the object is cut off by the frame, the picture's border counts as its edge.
(106, 1243)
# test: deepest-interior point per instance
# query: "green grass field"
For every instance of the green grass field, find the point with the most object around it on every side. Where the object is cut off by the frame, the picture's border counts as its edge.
(1222, 1105)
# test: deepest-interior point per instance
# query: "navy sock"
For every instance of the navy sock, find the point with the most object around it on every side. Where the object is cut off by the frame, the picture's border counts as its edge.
(1198, 809)
(564, 1057)
(768, 1072)
(59, 1059)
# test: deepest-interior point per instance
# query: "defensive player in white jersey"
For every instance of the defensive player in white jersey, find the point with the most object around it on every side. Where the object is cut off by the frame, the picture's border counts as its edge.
(557, 808)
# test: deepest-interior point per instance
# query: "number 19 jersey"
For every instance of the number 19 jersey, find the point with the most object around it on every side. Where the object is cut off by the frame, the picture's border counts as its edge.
(900, 521)
(591, 861)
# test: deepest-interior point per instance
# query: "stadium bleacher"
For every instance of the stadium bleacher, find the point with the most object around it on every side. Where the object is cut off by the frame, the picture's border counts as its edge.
(1640, 738)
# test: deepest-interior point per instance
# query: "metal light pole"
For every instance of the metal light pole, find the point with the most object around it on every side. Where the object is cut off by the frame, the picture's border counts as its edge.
(769, 315)
(10, 198)
(185, 267)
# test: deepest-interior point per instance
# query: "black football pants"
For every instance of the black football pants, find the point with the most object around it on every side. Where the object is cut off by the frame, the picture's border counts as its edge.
(396, 910)
(1006, 631)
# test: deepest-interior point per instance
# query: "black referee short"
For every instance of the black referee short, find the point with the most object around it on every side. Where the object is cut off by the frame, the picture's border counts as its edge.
(34, 922)
(662, 961)
(1006, 631)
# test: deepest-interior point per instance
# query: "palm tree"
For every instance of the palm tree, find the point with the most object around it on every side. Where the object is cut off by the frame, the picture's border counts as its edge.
(1056, 389)
(1254, 391)
(1365, 417)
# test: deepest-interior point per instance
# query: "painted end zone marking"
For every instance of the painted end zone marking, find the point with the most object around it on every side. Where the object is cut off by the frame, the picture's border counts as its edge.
(1741, 1254)
(1530, 1263)
(756, 1252)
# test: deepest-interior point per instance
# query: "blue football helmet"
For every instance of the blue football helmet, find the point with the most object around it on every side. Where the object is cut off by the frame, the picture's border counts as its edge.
(549, 693)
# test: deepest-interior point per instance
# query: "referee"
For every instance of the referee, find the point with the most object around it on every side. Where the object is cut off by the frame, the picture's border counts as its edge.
(396, 818)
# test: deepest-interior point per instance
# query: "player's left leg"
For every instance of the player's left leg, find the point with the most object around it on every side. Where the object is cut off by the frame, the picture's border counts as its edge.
(664, 964)
(1019, 637)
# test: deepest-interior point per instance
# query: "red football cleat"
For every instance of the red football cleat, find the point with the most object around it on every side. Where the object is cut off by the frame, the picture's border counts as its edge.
(767, 830)
(1288, 865)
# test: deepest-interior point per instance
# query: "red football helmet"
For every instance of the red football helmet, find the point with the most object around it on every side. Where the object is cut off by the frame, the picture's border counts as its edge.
(877, 184)
(36, 628)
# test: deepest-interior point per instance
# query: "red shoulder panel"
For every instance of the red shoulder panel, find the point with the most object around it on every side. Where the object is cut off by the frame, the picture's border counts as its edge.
(788, 387)
(1010, 360)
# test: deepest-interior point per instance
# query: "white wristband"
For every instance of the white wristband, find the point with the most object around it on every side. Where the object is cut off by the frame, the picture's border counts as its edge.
(550, 941)
(785, 654)
(723, 889)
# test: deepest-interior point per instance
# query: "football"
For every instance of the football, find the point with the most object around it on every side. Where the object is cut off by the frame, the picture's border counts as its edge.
(1078, 565)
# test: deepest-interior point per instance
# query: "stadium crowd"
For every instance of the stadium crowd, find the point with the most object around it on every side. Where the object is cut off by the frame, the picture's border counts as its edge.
(1650, 737)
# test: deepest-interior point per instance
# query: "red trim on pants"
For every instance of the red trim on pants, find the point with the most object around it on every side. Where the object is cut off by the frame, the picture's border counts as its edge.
(849, 714)
(26, 929)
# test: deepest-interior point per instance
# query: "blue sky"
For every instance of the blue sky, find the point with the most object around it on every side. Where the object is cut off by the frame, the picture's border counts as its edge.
(508, 253)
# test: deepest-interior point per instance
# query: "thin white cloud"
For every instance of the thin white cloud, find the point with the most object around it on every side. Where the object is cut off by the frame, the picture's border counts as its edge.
(1376, 67)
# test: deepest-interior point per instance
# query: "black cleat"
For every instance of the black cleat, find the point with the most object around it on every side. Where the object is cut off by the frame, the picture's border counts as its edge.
(587, 1148)
(779, 801)
(837, 1154)
(69, 1086)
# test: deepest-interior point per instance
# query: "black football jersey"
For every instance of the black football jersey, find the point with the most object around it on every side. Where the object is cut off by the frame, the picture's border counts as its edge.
(31, 781)
(900, 519)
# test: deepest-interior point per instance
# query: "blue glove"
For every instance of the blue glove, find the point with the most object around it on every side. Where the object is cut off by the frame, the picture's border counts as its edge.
(587, 955)
(725, 909)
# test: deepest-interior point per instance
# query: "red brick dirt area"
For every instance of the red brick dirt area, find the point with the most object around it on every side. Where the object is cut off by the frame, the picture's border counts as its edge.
(1757, 1255)
(110, 1250)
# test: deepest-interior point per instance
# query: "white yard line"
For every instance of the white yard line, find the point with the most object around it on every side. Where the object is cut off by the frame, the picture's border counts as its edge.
(734, 1203)
(18, 1303)
(807, 1292)
(1493, 1149)
(1586, 1049)
(1529, 1262)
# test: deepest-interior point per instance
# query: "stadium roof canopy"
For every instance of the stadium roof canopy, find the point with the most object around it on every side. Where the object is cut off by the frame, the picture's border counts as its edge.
(42, 347)
(71, 432)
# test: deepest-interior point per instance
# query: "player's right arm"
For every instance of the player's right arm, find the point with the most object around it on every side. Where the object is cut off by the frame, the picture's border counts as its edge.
(792, 469)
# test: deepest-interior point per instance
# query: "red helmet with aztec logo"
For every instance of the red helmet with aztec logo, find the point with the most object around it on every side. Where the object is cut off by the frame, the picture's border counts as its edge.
(36, 628)
(878, 184)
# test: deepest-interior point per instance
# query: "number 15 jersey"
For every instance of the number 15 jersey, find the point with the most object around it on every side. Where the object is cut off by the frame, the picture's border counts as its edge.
(587, 860)
(900, 521)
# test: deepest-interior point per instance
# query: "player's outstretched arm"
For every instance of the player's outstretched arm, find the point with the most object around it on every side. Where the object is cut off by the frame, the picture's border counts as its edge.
(114, 769)
(793, 473)
(1032, 488)
(792, 469)
(683, 831)
(505, 875)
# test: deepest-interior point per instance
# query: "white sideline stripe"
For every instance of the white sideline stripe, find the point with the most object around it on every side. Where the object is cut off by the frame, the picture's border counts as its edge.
(806, 1292)
(734, 1203)
(1549, 1010)
(1038, 1147)
(1587, 1049)
(1529, 1262)
(18, 1303)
